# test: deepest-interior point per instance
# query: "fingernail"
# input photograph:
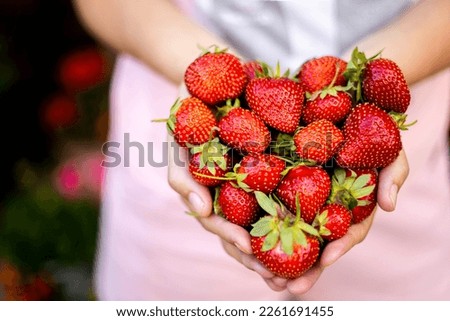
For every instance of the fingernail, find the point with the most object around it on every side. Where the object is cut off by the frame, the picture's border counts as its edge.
(393, 195)
(240, 248)
(196, 202)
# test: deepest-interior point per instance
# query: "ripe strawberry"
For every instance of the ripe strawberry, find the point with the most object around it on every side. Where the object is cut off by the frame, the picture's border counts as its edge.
(285, 265)
(209, 159)
(282, 242)
(252, 68)
(236, 205)
(356, 190)
(331, 107)
(215, 77)
(318, 73)
(191, 122)
(312, 184)
(333, 221)
(318, 141)
(241, 129)
(372, 138)
(384, 85)
(260, 172)
(277, 101)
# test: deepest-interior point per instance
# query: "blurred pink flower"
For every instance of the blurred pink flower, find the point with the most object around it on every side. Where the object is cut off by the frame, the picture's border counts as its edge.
(80, 177)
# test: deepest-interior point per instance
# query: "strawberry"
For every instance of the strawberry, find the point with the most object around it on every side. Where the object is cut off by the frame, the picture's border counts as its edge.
(215, 77)
(356, 190)
(277, 101)
(282, 242)
(333, 221)
(236, 205)
(260, 172)
(379, 81)
(330, 107)
(312, 184)
(372, 138)
(385, 86)
(318, 73)
(241, 129)
(252, 68)
(191, 122)
(318, 141)
(211, 159)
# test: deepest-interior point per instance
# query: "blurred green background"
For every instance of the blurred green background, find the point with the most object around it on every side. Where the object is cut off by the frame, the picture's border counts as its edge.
(54, 83)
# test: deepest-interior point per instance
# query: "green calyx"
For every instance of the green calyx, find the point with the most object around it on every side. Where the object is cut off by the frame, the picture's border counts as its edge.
(355, 70)
(213, 49)
(269, 72)
(229, 105)
(281, 226)
(212, 154)
(400, 120)
(319, 223)
(348, 191)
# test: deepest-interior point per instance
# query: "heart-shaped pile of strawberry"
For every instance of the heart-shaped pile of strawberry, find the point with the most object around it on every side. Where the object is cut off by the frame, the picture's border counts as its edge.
(294, 160)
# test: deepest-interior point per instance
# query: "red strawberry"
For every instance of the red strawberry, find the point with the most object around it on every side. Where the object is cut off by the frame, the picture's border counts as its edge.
(333, 221)
(236, 205)
(318, 141)
(384, 85)
(331, 107)
(260, 172)
(318, 73)
(277, 101)
(312, 184)
(252, 68)
(215, 77)
(282, 242)
(209, 159)
(241, 129)
(191, 121)
(356, 190)
(284, 265)
(372, 138)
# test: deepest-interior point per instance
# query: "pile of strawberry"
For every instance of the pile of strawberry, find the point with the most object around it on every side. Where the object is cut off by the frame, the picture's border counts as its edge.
(293, 160)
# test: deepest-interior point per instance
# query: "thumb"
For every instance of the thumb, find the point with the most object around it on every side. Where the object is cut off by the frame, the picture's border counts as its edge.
(196, 196)
(391, 180)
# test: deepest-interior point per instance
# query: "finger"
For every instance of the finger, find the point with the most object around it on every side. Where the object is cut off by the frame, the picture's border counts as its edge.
(274, 286)
(249, 261)
(280, 282)
(305, 282)
(229, 232)
(391, 180)
(198, 197)
(355, 235)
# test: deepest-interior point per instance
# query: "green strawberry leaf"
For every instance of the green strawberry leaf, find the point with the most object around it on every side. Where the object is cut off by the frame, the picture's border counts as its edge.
(287, 240)
(363, 202)
(264, 226)
(340, 176)
(271, 240)
(299, 237)
(363, 191)
(307, 228)
(266, 203)
(360, 182)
